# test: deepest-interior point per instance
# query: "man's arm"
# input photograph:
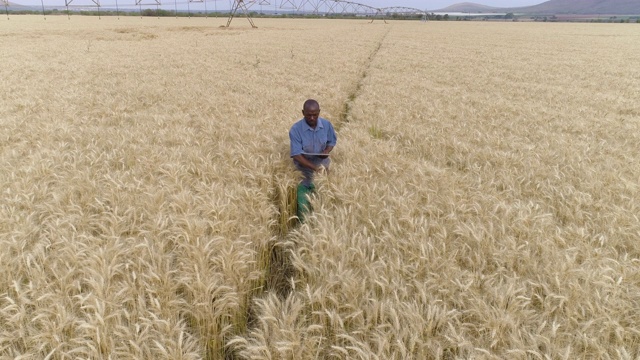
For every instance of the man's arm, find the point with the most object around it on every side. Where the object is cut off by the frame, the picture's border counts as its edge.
(306, 163)
(295, 141)
(332, 139)
(327, 150)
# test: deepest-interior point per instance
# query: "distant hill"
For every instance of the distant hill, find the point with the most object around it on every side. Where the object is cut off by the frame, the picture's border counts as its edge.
(16, 7)
(586, 7)
(551, 7)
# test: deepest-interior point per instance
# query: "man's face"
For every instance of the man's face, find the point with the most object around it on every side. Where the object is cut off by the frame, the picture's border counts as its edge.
(311, 114)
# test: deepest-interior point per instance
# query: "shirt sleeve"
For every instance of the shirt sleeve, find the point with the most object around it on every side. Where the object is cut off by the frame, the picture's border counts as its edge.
(295, 142)
(332, 139)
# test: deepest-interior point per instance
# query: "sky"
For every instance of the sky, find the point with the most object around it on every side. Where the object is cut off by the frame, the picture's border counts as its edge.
(439, 4)
(224, 4)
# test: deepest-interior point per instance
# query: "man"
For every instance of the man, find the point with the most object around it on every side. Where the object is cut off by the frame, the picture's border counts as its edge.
(312, 139)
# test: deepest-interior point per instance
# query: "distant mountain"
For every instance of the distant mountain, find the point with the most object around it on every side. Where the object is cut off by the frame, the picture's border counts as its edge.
(469, 7)
(552, 7)
(15, 7)
(586, 7)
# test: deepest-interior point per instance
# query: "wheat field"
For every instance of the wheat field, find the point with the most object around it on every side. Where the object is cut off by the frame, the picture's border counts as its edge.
(482, 203)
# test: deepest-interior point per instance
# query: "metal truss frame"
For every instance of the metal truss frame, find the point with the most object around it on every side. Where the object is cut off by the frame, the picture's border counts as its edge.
(287, 4)
(153, 2)
(403, 10)
(356, 8)
(189, 6)
(331, 7)
(68, 2)
(315, 5)
(244, 6)
(6, 7)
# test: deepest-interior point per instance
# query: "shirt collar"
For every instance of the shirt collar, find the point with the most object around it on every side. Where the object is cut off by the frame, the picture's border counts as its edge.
(319, 125)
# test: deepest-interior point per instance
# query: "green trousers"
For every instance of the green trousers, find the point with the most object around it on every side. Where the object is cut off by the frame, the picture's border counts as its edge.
(304, 207)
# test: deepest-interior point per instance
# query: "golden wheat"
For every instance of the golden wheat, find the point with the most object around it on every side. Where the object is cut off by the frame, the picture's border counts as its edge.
(482, 199)
(478, 218)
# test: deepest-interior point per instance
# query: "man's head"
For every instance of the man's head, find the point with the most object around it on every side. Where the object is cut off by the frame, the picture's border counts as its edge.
(311, 112)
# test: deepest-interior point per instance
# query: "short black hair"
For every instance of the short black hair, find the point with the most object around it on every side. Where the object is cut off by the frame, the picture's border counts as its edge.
(310, 103)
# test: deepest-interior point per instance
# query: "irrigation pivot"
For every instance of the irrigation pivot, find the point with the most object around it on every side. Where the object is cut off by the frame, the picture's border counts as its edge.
(6, 7)
(241, 4)
(325, 7)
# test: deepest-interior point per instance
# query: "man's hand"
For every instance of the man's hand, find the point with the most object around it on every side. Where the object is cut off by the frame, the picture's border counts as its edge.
(305, 162)
(327, 150)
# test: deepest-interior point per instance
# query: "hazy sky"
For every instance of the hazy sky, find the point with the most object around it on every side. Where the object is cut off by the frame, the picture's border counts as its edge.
(420, 4)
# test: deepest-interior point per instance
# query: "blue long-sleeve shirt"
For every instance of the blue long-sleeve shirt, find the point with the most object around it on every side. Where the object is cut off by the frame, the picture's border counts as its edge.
(305, 139)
